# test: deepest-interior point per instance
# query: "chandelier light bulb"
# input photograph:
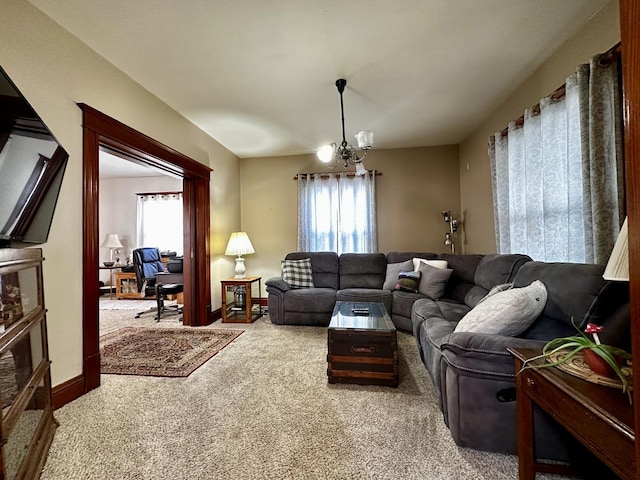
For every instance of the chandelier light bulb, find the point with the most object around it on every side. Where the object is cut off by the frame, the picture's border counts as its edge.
(325, 153)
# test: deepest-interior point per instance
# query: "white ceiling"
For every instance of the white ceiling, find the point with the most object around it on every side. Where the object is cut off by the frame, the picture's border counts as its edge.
(259, 76)
(112, 167)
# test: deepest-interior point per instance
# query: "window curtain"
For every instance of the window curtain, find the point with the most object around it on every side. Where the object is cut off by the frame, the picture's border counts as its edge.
(160, 221)
(558, 179)
(337, 213)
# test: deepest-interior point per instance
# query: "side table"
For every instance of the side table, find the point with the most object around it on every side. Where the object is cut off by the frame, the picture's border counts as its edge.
(240, 308)
(111, 283)
(126, 286)
(599, 417)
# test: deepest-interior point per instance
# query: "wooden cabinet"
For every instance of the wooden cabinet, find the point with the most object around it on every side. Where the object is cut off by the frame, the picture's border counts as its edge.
(27, 425)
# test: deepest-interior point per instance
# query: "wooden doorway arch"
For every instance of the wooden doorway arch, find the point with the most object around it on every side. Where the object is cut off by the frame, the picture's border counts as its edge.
(100, 129)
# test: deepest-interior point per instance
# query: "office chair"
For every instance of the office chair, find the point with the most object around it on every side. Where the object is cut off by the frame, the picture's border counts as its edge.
(146, 265)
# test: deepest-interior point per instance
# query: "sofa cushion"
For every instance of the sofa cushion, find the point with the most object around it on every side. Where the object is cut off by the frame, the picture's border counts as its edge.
(503, 287)
(310, 300)
(434, 263)
(324, 266)
(393, 271)
(575, 290)
(397, 257)
(433, 280)
(408, 281)
(506, 313)
(297, 273)
(362, 270)
(495, 269)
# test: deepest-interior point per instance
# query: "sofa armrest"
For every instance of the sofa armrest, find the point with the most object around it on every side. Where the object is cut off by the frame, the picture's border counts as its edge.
(277, 283)
(484, 354)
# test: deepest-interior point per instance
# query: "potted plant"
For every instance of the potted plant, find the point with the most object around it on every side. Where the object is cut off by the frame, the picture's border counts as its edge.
(604, 360)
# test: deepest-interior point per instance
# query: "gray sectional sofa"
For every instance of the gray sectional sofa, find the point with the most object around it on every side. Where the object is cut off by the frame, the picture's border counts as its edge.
(357, 277)
(473, 373)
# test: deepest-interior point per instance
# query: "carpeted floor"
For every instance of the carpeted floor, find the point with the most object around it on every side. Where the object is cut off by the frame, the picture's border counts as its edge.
(262, 409)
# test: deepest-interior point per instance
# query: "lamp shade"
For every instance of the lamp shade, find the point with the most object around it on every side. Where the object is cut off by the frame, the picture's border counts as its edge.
(618, 265)
(239, 244)
(111, 241)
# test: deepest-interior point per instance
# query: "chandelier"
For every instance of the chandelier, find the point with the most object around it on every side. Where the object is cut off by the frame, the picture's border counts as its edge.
(344, 152)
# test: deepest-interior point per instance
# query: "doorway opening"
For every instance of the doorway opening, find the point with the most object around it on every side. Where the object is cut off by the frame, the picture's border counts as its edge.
(100, 130)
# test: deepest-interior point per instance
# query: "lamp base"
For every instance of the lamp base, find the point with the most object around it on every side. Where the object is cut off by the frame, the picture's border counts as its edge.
(240, 270)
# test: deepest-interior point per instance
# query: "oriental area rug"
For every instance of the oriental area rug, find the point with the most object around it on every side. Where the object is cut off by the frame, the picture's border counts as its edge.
(161, 352)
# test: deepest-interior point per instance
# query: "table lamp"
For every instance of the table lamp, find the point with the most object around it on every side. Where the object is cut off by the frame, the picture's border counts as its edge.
(239, 244)
(111, 241)
(618, 265)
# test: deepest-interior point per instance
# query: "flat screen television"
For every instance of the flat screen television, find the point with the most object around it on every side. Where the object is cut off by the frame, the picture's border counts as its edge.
(32, 164)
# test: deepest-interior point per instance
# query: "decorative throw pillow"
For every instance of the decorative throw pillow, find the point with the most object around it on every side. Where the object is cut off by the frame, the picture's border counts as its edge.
(503, 287)
(506, 313)
(433, 280)
(393, 270)
(433, 263)
(408, 281)
(297, 273)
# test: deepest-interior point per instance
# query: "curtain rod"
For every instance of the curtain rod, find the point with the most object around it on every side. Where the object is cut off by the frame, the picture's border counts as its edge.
(157, 193)
(608, 57)
(328, 174)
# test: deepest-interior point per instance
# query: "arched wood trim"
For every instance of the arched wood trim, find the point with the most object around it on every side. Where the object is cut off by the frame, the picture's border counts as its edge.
(100, 129)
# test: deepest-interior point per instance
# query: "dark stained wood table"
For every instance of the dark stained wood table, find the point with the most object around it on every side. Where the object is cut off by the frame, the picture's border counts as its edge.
(600, 417)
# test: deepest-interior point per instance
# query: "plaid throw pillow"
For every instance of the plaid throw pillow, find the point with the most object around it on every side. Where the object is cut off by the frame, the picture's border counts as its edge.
(297, 273)
(408, 281)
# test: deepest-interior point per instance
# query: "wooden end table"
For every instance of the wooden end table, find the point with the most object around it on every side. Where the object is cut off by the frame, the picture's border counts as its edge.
(237, 313)
(600, 417)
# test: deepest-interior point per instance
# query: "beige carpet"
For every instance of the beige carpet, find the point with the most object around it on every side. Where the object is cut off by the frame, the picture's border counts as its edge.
(262, 409)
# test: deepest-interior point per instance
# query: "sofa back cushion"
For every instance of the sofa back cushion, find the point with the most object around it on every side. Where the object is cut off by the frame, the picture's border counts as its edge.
(474, 275)
(574, 290)
(462, 283)
(324, 266)
(397, 257)
(362, 270)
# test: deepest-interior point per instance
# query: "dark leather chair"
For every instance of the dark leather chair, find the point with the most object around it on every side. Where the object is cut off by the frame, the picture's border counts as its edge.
(147, 264)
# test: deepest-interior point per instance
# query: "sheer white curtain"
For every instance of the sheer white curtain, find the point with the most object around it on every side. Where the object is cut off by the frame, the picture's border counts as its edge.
(337, 213)
(556, 178)
(160, 221)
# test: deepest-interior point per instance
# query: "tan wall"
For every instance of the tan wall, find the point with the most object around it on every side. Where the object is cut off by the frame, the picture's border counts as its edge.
(54, 71)
(600, 34)
(415, 186)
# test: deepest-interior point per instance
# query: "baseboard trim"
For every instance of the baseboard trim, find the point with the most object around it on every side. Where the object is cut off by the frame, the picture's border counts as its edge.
(215, 315)
(67, 391)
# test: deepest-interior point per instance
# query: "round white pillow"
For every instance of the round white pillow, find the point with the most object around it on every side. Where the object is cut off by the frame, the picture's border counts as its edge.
(506, 313)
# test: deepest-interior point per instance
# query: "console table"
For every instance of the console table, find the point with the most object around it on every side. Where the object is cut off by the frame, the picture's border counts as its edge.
(600, 417)
(238, 312)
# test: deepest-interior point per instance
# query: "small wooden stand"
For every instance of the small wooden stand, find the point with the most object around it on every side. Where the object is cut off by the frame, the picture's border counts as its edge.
(233, 313)
(124, 283)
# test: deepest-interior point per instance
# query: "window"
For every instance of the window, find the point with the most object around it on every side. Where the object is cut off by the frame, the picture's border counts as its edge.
(558, 172)
(337, 213)
(160, 221)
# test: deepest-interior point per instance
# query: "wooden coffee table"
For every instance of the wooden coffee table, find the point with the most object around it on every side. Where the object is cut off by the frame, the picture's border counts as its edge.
(362, 345)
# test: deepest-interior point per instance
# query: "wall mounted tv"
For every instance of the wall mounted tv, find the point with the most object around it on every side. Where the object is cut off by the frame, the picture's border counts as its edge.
(32, 165)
